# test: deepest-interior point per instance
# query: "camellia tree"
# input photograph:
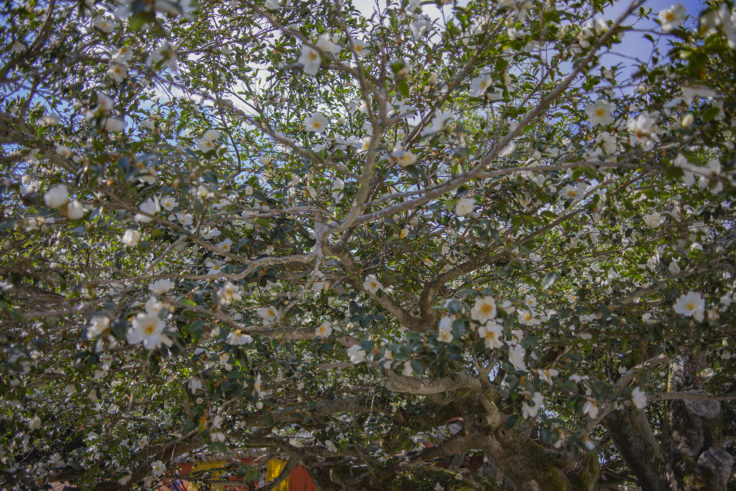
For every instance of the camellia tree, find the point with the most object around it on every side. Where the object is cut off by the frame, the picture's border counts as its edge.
(482, 245)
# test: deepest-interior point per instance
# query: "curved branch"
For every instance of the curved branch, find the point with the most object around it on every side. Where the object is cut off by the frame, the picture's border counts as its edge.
(418, 386)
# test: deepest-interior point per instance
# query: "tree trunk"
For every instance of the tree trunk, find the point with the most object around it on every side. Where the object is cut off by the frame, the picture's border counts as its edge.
(634, 439)
(531, 466)
(695, 459)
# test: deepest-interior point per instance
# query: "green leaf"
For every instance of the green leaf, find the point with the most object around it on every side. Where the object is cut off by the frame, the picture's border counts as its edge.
(137, 21)
(403, 88)
(119, 329)
(454, 306)
(548, 280)
(711, 113)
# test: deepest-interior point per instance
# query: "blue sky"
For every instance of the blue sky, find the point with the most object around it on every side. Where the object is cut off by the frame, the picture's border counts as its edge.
(634, 44)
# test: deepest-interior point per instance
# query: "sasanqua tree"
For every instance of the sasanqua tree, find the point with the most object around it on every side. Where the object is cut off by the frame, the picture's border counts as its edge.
(483, 244)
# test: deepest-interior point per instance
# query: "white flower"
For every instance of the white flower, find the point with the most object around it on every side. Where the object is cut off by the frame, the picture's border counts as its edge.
(74, 210)
(195, 384)
(507, 150)
(149, 329)
(404, 157)
(479, 85)
(147, 175)
(573, 192)
(316, 123)
(238, 338)
(206, 145)
(310, 60)
(356, 354)
(526, 318)
(211, 135)
(330, 446)
(104, 103)
(323, 331)
(371, 284)
(165, 54)
(445, 323)
(590, 408)
(225, 246)
(653, 220)
(268, 314)
(117, 71)
(64, 151)
(420, 26)
(148, 124)
(56, 196)
(325, 44)
(208, 141)
(577, 378)
(153, 306)
(359, 47)
(438, 122)
(691, 305)
(639, 398)
(158, 468)
(124, 53)
(600, 112)
(714, 167)
(160, 287)
(360, 144)
(258, 387)
(483, 310)
(185, 219)
(672, 17)
(151, 207)
(228, 293)
(674, 268)
(643, 130)
(690, 92)
(516, 356)
(547, 374)
(589, 444)
(213, 267)
(168, 203)
(98, 325)
(49, 120)
(607, 141)
(104, 24)
(131, 238)
(464, 206)
(707, 372)
(445, 330)
(527, 410)
(114, 125)
(491, 335)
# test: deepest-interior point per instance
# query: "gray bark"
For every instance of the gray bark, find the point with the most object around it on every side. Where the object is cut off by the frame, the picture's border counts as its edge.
(695, 459)
(634, 439)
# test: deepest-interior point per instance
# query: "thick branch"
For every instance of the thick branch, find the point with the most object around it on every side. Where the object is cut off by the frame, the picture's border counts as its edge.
(414, 385)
